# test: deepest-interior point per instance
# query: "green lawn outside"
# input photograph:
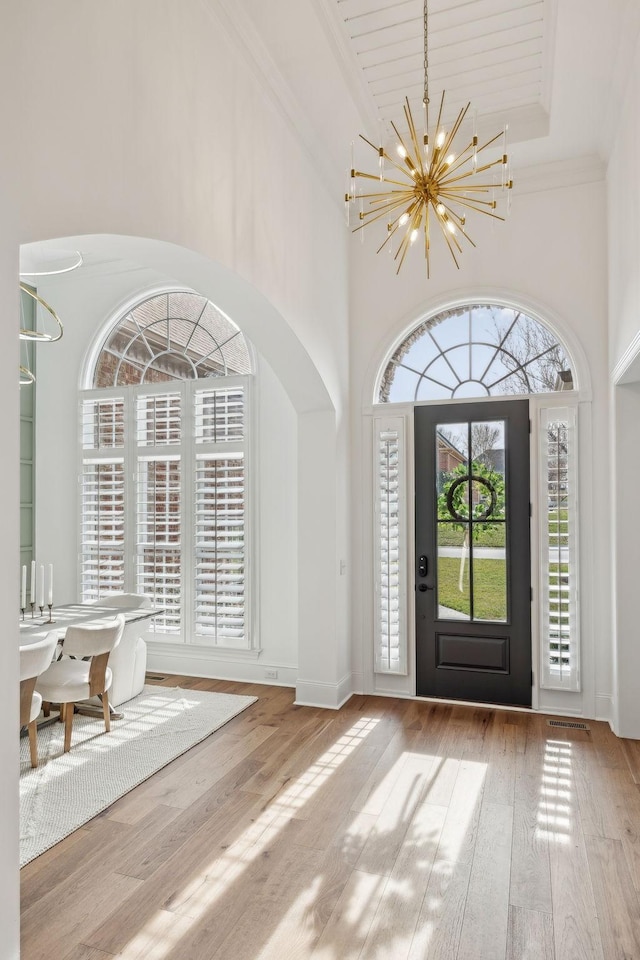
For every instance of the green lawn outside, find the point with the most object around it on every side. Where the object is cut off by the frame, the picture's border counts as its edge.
(489, 587)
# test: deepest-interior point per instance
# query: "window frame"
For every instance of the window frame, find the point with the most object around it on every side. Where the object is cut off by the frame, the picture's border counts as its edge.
(188, 450)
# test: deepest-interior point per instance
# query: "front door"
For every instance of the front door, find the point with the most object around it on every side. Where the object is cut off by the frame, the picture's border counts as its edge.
(473, 564)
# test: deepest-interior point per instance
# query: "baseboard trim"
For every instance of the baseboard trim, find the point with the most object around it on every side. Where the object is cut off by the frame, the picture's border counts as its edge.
(204, 663)
(604, 707)
(328, 696)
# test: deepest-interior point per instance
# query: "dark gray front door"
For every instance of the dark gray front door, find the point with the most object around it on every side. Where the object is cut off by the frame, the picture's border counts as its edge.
(473, 564)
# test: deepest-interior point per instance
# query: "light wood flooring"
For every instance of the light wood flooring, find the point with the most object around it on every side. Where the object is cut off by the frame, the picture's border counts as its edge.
(394, 830)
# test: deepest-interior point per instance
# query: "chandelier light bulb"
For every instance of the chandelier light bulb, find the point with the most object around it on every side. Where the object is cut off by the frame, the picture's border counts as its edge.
(414, 236)
(401, 151)
(440, 139)
(404, 219)
(440, 209)
(450, 159)
(451, 227)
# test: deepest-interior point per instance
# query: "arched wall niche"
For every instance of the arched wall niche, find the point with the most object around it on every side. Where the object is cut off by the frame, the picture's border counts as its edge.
(315, 463)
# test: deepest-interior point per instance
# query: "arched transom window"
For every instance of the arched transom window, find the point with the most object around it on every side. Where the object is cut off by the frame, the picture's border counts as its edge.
(165, 467)
(475, 351)
(172, 336)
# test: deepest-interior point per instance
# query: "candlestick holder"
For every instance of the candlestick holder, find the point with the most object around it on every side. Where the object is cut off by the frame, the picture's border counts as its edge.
(22, 609)
(50, 605)
(32, 605)
(41, 610)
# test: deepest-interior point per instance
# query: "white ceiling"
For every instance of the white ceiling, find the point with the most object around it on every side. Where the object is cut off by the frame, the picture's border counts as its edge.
(495, 53)
(555, 70)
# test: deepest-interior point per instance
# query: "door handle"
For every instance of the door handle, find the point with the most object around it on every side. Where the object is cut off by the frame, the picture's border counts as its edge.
(422, 566)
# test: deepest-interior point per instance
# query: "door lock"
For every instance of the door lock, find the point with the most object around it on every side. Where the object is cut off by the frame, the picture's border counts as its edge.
(422, 566)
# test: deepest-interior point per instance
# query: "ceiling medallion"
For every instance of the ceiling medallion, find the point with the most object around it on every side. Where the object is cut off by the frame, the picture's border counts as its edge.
(440, 185)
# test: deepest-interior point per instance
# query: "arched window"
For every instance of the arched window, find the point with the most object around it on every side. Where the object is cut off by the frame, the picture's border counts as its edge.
(171, 336)
(475, 351)
(164, 506)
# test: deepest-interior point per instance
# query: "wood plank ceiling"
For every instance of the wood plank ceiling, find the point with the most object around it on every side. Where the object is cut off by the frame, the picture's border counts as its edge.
(491, 52)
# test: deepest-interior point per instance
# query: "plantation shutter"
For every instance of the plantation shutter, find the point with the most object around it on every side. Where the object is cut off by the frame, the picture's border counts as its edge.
(102, 499)
(390, 545)
(560, 646)
(159, 572)
(220, 516)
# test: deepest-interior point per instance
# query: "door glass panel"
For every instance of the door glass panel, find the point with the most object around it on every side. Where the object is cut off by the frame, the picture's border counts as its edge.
(471, 519)
(452, 575)
(489, 535)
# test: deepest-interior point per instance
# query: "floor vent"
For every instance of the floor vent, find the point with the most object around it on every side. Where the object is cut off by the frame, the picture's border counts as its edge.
(568, 724)
(154, 677)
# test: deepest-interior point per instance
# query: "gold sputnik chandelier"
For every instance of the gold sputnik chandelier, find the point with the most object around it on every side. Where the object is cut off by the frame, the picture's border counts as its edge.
(440, 185)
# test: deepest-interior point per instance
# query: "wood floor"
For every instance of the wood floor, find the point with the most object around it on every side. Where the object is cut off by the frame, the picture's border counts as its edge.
(394, 830)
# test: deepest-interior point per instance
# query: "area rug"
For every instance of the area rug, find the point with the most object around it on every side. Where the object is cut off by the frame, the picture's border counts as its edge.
(67, 789)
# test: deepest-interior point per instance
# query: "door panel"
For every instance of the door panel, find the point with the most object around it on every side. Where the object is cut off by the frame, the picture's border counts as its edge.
(473, 567)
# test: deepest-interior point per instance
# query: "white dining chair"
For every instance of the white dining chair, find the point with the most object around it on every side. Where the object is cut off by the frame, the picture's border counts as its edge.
(34, 660)
(132, 601)
(82, 672)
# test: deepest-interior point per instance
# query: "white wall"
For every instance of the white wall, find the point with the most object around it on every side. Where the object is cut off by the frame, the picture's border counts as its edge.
(624, 344)
(156, 123)
(550, 255)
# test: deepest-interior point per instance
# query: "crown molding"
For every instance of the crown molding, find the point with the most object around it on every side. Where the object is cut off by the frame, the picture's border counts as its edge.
(232, 17)
(559, 174)
(627, 369)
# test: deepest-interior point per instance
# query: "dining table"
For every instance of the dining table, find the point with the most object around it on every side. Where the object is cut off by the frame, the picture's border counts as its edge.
(66, 615)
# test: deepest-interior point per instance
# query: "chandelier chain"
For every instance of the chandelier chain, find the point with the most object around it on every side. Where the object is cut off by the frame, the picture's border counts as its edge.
(426, 54)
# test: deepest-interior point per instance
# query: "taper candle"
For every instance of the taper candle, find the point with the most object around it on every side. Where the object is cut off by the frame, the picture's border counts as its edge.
(41, 586)
(50, 593)
(32, 586)
(23, 589)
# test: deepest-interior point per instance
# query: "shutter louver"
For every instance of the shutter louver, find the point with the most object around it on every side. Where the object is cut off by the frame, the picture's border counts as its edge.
(219, 415)
(391, 639)
(102, 424)
(102, 530)
(102, 496)
(158, 419)
(158, 538)
(560, 648)
(220, 549)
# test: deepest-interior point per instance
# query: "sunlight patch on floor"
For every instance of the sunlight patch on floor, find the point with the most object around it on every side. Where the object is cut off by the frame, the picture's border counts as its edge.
(556, 793)
(197, 898)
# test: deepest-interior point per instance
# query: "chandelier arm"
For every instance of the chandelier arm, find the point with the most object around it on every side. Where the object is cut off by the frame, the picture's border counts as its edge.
(455, 216)
(403, 170)
(386, 196)
(405, 190)
(440, 114)
(445, 234)
(412, 131)
(449, 141)
(471, 173)
(406, 240)
(403, 144)
(387, 239)
(33, 334)
(378, 215)
(389, 203)
(464, 200)
(463, 157)
(427, 240)
(387, 157)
